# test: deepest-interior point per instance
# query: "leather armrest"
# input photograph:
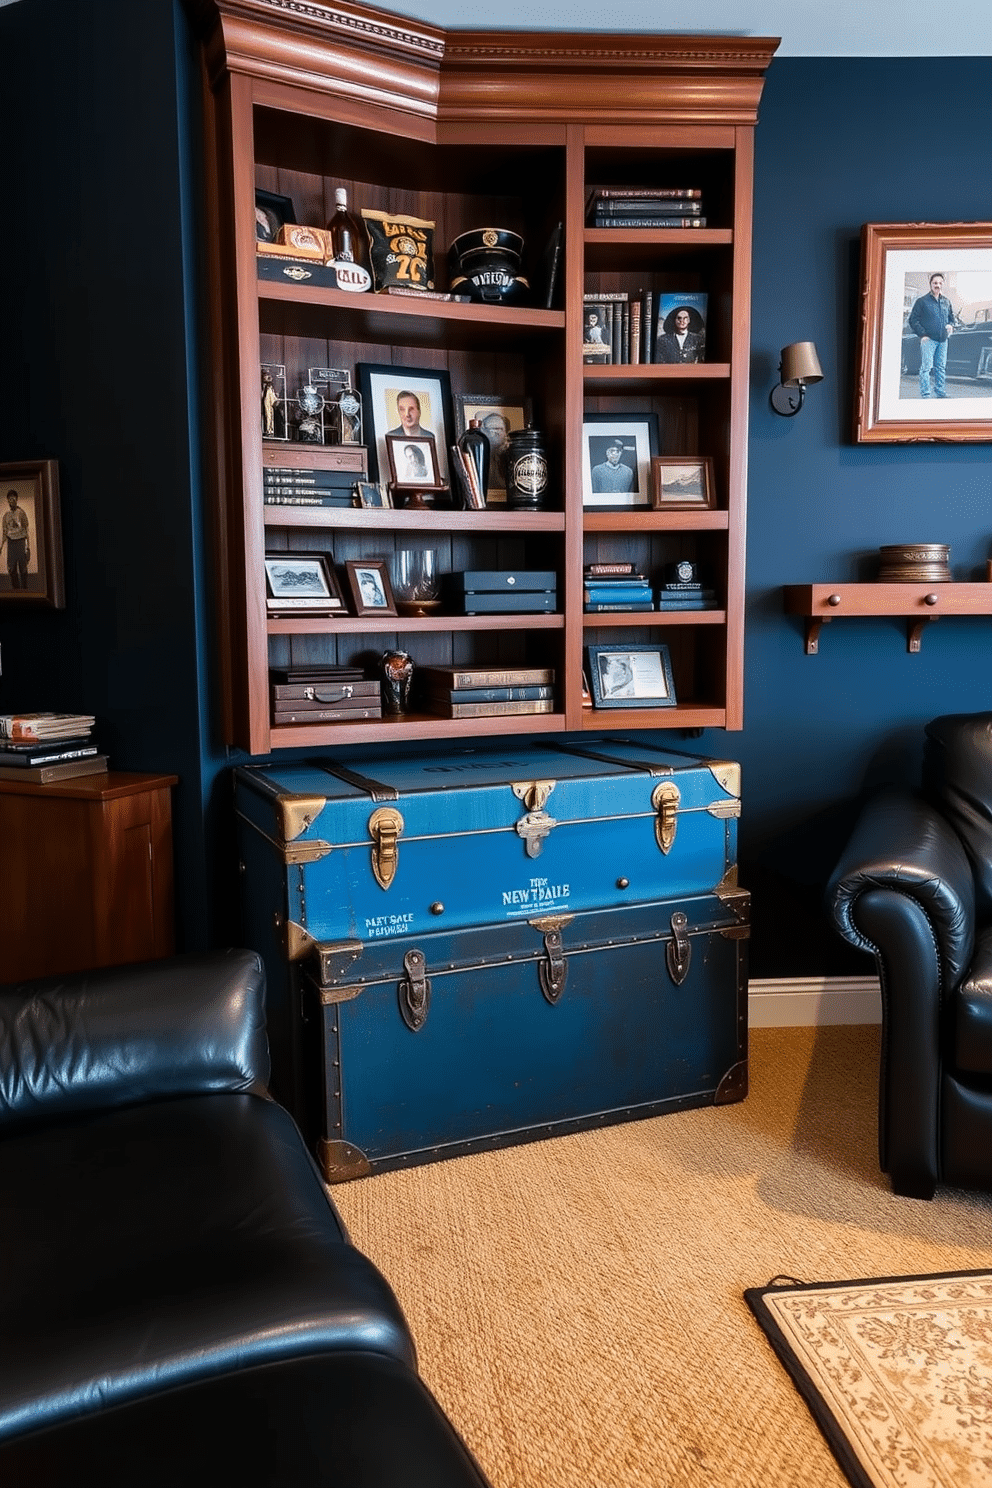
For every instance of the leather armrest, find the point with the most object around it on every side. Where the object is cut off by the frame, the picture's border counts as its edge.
(903, 844)
(92, 1040)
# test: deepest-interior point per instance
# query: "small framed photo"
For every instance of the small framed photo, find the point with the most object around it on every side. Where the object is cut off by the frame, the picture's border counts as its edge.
(413, 462)
(371, 493)
(272, 212)
(31, 535)
(681, 333)
(301, 583)
(630, 676)
(925, 350)
(499, 416)
(410, 401)
(679, 484)
(616, 458)
(368, 580)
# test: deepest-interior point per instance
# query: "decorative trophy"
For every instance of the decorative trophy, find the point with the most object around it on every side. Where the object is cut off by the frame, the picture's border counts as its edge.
(343, 405)
(310, 428)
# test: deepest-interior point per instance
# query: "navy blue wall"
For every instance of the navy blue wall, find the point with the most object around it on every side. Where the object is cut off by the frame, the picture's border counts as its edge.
(100, 311)
(840, 143)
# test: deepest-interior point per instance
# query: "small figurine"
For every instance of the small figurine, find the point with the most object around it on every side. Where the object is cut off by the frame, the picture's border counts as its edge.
(397, 678)
(270, 401)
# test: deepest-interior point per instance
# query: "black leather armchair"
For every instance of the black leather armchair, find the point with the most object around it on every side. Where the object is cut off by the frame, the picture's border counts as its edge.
(174, 1269)
(914, 887)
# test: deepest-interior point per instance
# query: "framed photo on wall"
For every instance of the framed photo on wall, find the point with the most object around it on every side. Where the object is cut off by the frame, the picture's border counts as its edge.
(616, 458)
(31, 535)
(925, 347)
(411, 401)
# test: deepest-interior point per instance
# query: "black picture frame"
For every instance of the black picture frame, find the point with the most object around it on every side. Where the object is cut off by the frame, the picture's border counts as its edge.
(630, 676)
(31, 571)
(272, 212)
(381, 385)
(638, 436)
(301, 584)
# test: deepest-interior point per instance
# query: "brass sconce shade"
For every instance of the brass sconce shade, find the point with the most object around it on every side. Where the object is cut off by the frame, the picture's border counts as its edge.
(799, 367)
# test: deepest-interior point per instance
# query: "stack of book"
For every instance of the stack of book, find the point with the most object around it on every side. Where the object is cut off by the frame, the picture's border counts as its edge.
(323, 694)
(42, 748)
(646, 206)
(486, 692)
(691, 595)
(286, 485)
(615, 586)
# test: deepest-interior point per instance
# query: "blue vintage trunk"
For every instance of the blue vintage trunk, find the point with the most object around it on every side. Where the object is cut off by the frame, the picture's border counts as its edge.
(478, 947)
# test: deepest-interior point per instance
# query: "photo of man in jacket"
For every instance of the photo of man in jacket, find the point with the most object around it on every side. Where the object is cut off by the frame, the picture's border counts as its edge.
(932, 319)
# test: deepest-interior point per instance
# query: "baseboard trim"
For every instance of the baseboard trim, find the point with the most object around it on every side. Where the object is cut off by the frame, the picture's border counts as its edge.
(805, 1002)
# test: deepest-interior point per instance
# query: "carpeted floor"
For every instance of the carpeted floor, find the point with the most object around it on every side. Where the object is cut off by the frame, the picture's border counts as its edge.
(579, 1303)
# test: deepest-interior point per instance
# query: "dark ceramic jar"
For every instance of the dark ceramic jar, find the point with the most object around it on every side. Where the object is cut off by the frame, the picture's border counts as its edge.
(526, 471)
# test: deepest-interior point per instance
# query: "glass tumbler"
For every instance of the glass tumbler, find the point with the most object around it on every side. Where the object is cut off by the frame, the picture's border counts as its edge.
(415, 579)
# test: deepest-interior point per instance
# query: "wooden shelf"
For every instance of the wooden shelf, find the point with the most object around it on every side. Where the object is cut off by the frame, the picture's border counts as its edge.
(919, 604)
(498, 129)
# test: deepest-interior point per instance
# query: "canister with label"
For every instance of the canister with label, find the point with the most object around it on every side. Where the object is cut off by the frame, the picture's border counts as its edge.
(526, 470)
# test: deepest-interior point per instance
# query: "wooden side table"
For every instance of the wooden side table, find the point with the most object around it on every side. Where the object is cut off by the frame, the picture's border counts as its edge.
(85, 873)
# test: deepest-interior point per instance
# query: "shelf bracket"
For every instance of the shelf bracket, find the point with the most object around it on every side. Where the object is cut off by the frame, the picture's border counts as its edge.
(813, 624)
(915, 629)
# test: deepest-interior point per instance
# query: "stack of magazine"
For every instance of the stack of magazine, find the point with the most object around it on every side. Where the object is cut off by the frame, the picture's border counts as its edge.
(44, 748)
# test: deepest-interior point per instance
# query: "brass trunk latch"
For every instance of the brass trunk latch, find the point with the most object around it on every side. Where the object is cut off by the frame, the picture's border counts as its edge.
(552, 970)
(414, 991)
(679, 950)
(385, 829)
(665, 799)
(537, 824)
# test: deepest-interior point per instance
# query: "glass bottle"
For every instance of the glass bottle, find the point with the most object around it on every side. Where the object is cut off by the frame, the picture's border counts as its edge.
(475, 444)
(348, 255)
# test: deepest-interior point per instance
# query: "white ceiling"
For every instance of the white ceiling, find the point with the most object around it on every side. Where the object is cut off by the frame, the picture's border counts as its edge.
(843, 28)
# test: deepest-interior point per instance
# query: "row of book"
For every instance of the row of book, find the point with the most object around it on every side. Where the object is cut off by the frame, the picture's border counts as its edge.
(44, 748)
(485, 692)
(605, 589)
(620, 328)
(645, 206)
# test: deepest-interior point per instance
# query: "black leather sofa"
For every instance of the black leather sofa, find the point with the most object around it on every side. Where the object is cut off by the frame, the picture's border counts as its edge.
(181, 1303)
(914, 887)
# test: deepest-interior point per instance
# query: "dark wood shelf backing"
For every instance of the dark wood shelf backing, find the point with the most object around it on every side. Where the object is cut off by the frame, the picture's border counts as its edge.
(918, 604)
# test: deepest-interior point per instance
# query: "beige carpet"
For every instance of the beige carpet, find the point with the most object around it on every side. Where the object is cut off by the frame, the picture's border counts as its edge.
(578, 1303)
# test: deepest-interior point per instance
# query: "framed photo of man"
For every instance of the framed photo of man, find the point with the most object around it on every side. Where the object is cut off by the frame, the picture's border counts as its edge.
(925, 346)
(499, 416)
(31, 535)
(616, 459)
(411, 401)
(630, 676)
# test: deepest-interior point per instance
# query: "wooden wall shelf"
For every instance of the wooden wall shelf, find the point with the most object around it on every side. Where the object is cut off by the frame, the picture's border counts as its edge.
(919, 604)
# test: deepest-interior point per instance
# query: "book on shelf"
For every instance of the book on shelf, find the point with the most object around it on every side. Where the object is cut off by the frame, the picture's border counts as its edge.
(456, 678)
(530, 694)
(647, 206)
(619, 590)
(453, 708)
(639, 607)
(647, 193)
(35, 728)
(317, 672)
(620, 569)
(51, 774)
(597, 329)
(466, 479)
(425, 294)
(551, 266)
(325, 715)
(643, 219)
(27, 756)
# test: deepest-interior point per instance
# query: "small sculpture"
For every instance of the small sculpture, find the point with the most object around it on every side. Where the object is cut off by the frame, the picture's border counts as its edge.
(397, 679)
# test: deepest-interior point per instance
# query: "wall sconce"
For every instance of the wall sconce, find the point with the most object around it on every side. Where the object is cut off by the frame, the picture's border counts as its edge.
(798, 368)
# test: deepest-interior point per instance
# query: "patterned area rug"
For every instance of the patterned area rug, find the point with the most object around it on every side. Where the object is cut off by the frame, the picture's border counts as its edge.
(897, 1372)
